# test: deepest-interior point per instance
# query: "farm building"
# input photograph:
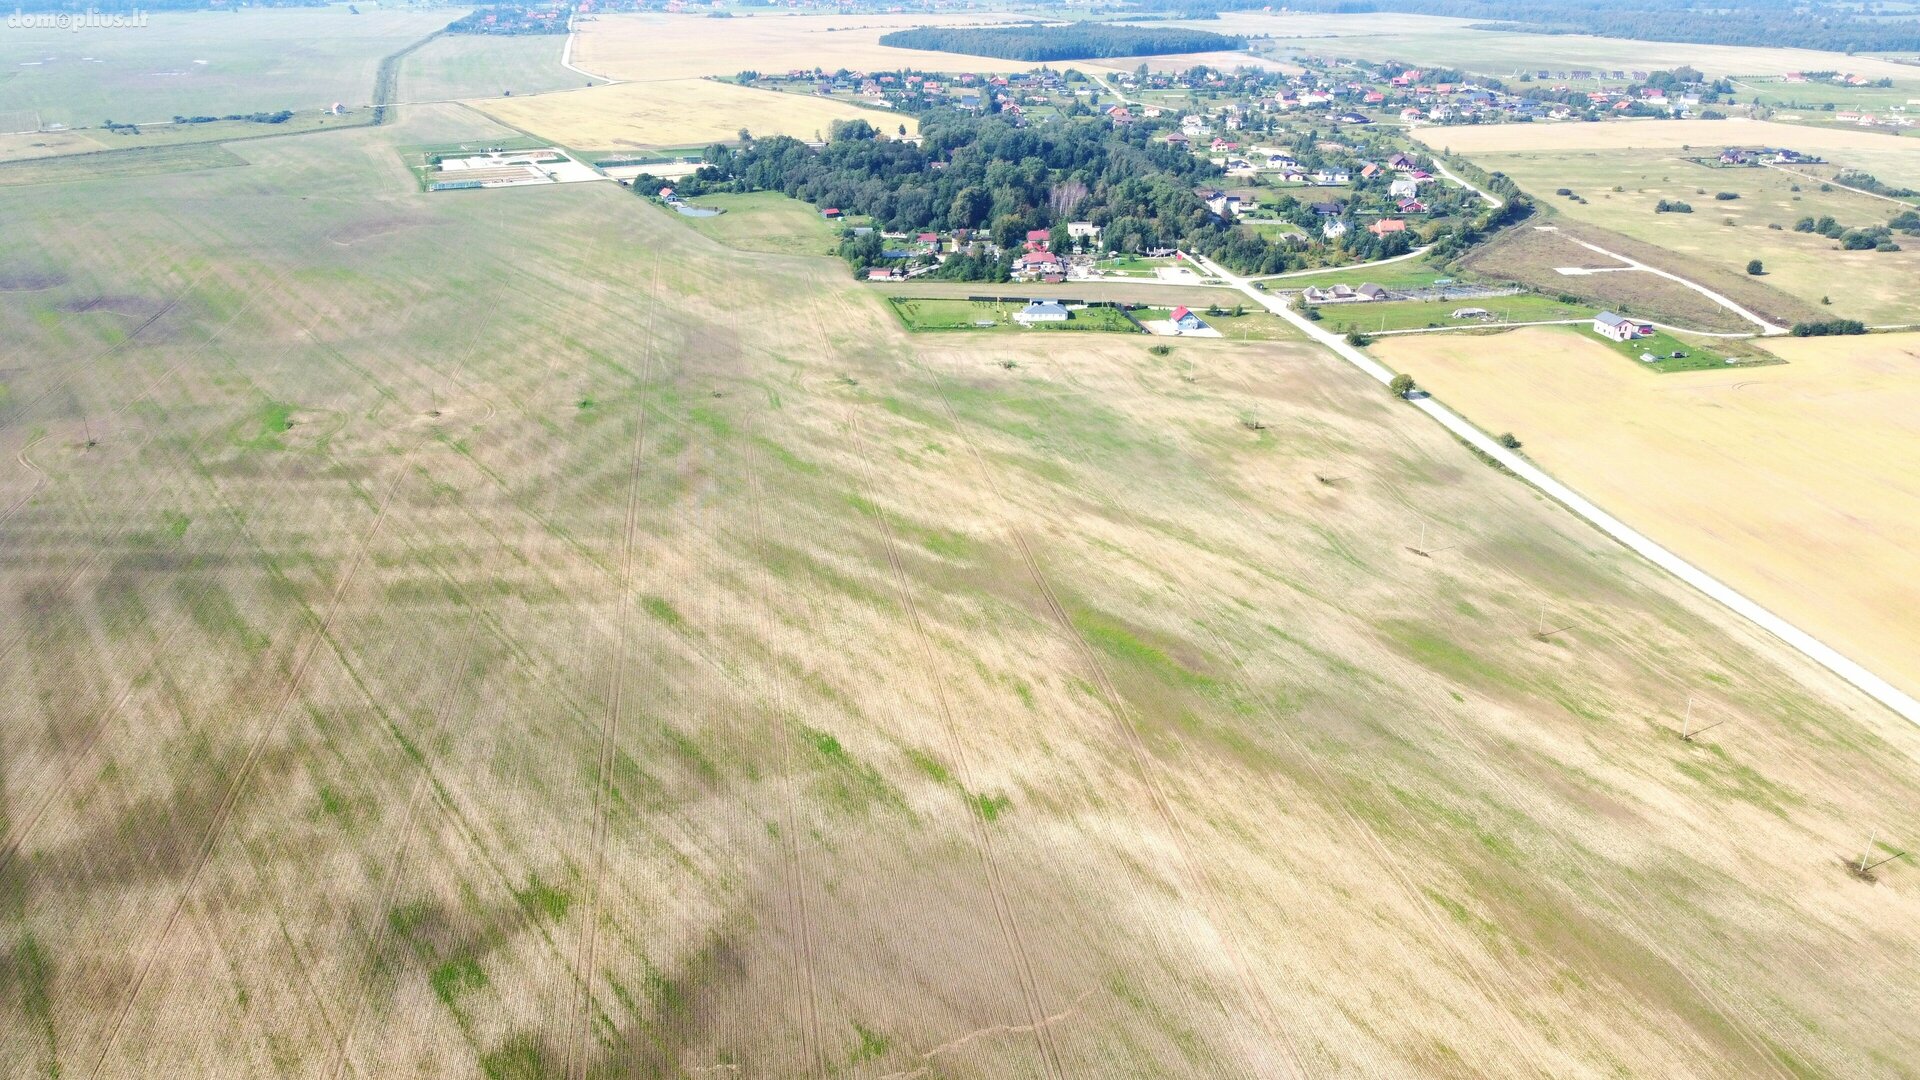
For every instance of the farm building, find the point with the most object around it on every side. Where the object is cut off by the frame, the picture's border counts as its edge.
(1471, 313)
(1618, 328)
(1041, 311)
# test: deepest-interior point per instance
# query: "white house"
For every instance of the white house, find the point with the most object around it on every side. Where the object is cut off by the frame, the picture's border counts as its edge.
(1617, 328)
(1184, 319)
(1334, 230)
(1404, 188)
(1041, 311)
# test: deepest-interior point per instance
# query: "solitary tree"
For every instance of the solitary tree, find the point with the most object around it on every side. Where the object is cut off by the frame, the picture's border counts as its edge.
(1402, 385)
(1755, 268)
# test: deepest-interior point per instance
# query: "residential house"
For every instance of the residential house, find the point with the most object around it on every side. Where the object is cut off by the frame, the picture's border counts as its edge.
(1042, 311)
(1404, 188)
(1333, 229)
(1387, 226)
(1038, 263)
(1370, 291)
(1184, 320)
(1619, 328)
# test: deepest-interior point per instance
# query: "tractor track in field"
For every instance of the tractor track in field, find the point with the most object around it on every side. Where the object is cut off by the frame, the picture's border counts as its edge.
(813, 1043)
(19, 835)
(39, 478)
(589, 960)
(1195, 878)
(1740, 1020)
(1009, 921)
(224, 811)
(1367, 834)
(363, 979)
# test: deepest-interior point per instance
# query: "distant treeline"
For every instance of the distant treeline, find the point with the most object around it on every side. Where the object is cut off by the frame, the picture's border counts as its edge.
(1780, 23)
(1073, 41)
(280, 117)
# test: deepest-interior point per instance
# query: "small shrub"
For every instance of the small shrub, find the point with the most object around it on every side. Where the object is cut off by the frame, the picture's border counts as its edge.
(1563, 191)
(1402, 385)
(1725, 196)
(1755, 267)
(1506, 439)
(1356, 338)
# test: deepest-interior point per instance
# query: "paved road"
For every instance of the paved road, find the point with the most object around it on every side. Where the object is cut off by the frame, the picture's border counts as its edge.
(1873, 685)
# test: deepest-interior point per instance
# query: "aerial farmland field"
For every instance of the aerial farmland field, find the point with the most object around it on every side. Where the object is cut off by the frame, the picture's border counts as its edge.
(204, 63)
(1824, 449)
(511, 633)
(1621, 189)
(638, 115)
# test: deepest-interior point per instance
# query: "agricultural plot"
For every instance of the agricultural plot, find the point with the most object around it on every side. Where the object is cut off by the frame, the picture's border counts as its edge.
(1622, 187)
(1538, 256)
(1769, 478)
(512, 635)
(1445, 42)
(205, 63)
(658, 47)
(477, 65)
(1676, 135)
(638, 115)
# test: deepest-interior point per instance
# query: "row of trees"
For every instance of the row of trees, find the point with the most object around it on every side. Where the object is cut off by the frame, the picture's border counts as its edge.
(1073, 41)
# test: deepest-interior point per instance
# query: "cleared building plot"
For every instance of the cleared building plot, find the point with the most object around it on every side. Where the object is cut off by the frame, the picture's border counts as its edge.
(1662, 134)
(460, 170)
(1796, 483)
(481, 65)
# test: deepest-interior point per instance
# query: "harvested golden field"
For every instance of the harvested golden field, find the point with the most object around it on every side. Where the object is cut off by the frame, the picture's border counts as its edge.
(1797, 484)
(654, 47)
(686, 112)
(1666, 134)
(1442, 41)
(508, 634)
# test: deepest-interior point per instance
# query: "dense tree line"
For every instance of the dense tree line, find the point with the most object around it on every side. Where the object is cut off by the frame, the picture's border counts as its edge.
(1827, 26)
(997, 182)
(1074, 41)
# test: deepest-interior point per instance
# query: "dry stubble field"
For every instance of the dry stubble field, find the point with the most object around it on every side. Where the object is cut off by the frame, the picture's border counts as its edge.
(1798, 484)
(508, 634)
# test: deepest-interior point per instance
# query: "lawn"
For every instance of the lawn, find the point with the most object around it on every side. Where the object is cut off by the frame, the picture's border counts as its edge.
(1694, 356)
(1377, 315)
(764, 221)
(924, 314)
(1251, 324)
(1415, 273)
(1133, 266)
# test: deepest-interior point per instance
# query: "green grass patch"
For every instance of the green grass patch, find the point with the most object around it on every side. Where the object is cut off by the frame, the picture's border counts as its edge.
(456, 977)
(543, 900)
(1378, 315)
(922, 314)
